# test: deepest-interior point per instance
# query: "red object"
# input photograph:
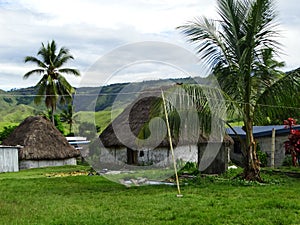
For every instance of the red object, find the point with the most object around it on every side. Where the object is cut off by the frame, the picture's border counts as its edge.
(292, 146)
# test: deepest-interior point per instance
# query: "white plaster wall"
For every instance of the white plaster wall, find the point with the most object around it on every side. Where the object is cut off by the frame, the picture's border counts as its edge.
(187, 153)
(265, 144)
(9, 159)
(157, 156)
(27, 164)
(163, 156)
(113, 155)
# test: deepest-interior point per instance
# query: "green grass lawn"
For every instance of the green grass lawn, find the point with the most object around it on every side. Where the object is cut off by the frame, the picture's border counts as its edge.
(53, 196)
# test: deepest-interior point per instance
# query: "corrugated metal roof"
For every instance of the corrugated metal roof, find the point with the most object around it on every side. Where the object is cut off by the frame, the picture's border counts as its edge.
(261, 131)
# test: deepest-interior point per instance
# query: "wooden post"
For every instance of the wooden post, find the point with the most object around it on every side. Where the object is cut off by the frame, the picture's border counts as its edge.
(171, 145)
(273, 148)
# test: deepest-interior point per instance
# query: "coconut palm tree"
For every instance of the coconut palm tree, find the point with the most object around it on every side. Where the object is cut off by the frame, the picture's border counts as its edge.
(239, 49)
(53, 85)
(67, 116)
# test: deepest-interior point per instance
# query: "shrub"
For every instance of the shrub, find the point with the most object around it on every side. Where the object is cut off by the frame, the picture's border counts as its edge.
(7, 130)
(262, 157)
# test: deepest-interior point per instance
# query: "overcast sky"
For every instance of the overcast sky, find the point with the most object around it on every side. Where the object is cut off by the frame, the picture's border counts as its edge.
(92, 29)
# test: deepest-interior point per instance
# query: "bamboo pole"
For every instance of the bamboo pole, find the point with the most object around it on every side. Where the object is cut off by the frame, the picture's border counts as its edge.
(273, 148)
(171, 145)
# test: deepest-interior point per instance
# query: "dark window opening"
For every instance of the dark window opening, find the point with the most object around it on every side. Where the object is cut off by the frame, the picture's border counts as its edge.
(237, 147)
(132, 157)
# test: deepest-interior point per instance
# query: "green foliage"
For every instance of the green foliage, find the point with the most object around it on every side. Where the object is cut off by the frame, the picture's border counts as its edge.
(58, 124)
(17, 113)
(87, 130)
(67, 116)
(6, 132)
(262, 156)
(52, 87)
(101, 118)
(53, 196)
(240, 48)
(57, 121)
(190, 168)
(288, 161)
(9, 100)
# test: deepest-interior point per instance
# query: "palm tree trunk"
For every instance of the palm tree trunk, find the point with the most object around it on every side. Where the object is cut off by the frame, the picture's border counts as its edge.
(252, 167)
(70, 127)
(52, 115)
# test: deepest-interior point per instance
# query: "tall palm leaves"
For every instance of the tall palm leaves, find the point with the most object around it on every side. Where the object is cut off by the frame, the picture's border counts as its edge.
(68, 116)
(53, 84)
(239, 48)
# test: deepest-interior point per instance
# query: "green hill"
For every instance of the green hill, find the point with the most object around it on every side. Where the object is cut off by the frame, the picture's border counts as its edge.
(17, 113)
(17, 104)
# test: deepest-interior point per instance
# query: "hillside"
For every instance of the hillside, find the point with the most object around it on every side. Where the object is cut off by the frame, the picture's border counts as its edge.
(17, 104)
(106, 95)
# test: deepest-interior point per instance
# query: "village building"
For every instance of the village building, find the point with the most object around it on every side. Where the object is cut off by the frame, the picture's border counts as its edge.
(42, 144)
(263, 137)
(123, 136)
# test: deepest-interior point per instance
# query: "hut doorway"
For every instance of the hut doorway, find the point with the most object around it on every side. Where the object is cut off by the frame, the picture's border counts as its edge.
(132, 157)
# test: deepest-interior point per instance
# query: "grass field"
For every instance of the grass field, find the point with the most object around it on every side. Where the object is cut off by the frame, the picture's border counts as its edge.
(55, 196)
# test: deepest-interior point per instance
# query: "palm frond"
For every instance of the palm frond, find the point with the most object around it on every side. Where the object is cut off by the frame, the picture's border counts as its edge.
(36, 71)
(41, 88)
(64, 89)
(266, 72)
(233, 15)
(62, 60)
(262, 26)
(280, 97)
(210, 45)
(62, 52)
(44, 52)
(35, 60)
(69, 71)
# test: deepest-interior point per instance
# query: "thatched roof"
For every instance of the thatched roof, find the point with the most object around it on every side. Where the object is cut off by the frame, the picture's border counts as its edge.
(40, 140)
(136, 115)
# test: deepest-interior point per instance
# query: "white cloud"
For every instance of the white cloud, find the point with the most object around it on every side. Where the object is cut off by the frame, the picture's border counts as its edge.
(92, 28)
(146, 16)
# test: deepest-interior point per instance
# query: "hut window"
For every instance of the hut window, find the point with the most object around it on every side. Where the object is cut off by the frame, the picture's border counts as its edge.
(237, 146)
(142, 154)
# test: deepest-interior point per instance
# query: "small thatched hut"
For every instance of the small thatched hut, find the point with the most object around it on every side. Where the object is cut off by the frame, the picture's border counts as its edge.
(43, 145)
(121, 140)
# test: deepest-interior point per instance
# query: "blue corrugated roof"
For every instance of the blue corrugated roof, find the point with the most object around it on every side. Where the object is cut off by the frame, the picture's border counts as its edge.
(261, 131)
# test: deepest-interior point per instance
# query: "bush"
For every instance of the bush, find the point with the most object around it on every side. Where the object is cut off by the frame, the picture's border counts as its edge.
(188, 168)
(6, 132)
(287, 161)
(262, 157)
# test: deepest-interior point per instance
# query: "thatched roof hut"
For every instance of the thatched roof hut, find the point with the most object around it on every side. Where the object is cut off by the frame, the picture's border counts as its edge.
(130, 137)
(40, 140)
(137, 115)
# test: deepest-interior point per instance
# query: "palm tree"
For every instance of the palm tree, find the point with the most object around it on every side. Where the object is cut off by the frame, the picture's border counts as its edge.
(68, 116)
(239, 48)
(53, 84)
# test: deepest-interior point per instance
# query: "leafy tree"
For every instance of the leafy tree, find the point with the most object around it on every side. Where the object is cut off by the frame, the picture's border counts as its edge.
(7, 130)
(53, 84)
(57, 120)
(239, 48)
(58, 124)
(67, 116)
